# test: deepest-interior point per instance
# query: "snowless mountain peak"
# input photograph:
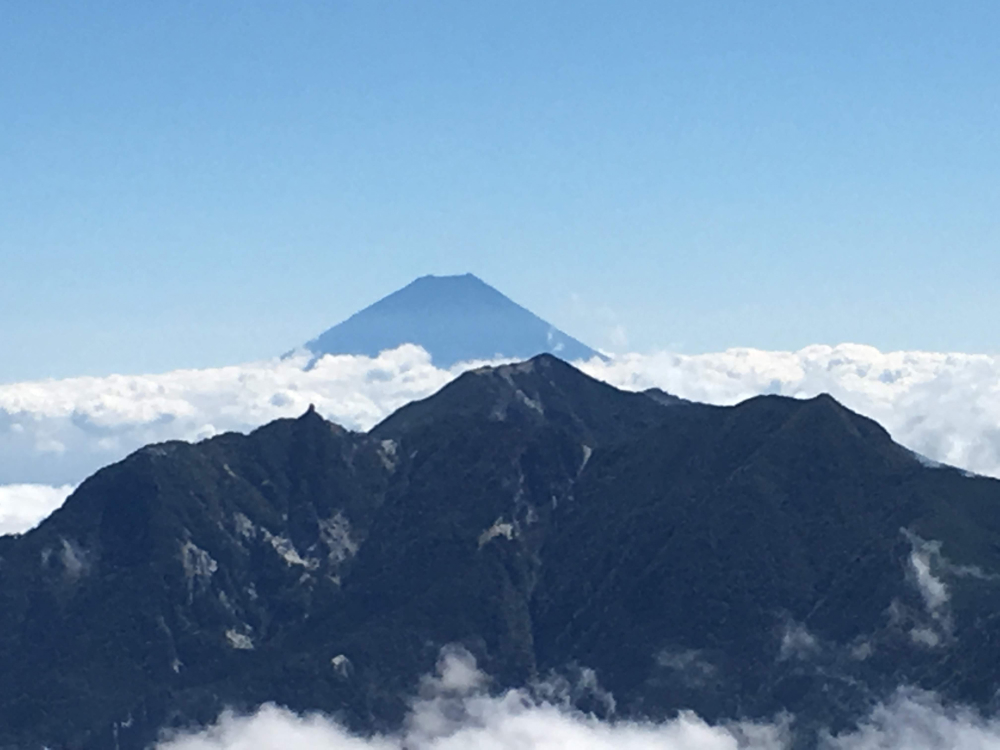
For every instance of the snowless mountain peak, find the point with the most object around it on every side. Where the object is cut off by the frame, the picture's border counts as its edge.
(456, 319)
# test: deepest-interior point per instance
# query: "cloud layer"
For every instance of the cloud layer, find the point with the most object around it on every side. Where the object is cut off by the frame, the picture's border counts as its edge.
(22, 506)
(57, 432)
(943, 406)
(454, 711)
(60, 431)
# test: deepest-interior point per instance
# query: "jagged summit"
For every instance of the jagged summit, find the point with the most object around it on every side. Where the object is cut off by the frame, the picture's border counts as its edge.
(456, 319)
(543, 389)
(778, 556)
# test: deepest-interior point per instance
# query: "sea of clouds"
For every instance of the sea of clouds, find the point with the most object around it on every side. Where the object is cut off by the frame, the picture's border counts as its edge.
(54, 433)
(455, 711)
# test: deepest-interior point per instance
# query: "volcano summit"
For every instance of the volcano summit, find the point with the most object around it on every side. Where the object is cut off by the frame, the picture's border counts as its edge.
(456, 319)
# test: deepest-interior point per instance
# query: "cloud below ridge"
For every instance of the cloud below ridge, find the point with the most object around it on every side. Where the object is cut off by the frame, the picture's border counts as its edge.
(945, 407)
(455, 712)
(56, 432)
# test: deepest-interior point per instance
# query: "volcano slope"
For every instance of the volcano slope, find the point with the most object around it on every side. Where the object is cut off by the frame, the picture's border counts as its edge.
(778, 555)
(455, 319)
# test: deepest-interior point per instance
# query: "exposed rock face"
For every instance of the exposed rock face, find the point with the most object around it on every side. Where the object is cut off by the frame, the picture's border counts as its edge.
(454, 318)
(776, 555)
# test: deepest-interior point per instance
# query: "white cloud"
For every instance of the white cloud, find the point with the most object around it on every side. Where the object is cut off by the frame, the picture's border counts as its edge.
(915, 720)
(23, 506)
(60, 431)
(932, 589)
(943, 406)
(928, 570)
(797, 642)
(454, 712)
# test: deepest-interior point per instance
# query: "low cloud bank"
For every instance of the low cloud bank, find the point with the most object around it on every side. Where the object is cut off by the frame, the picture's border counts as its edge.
(23, 506)
(915, 720)
(943, 406)
(454, 712)
(59, 431)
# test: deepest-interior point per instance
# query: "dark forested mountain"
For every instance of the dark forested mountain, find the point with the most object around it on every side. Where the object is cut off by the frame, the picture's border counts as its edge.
(456, 319)
(777, 555)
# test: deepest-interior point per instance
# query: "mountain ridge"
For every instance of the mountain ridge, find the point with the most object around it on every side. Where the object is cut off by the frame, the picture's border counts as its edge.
(674, 548)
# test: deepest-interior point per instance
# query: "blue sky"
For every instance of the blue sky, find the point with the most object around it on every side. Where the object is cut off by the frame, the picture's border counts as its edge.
(189, 184)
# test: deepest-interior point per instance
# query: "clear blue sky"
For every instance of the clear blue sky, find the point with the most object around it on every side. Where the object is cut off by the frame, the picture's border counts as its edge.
(203, 183)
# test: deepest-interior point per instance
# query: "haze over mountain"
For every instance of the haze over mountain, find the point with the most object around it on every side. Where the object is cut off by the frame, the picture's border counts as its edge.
(776, 555)
(455, 319)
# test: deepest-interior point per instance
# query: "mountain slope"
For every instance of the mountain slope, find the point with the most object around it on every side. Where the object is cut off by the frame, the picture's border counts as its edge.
(776, 555)
(455, 318)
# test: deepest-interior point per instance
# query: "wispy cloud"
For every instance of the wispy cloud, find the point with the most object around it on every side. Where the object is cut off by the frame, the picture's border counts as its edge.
(454, 711)
(916, 720)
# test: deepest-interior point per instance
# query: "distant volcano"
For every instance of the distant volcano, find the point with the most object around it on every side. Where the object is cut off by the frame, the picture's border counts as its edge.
(456, 319)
